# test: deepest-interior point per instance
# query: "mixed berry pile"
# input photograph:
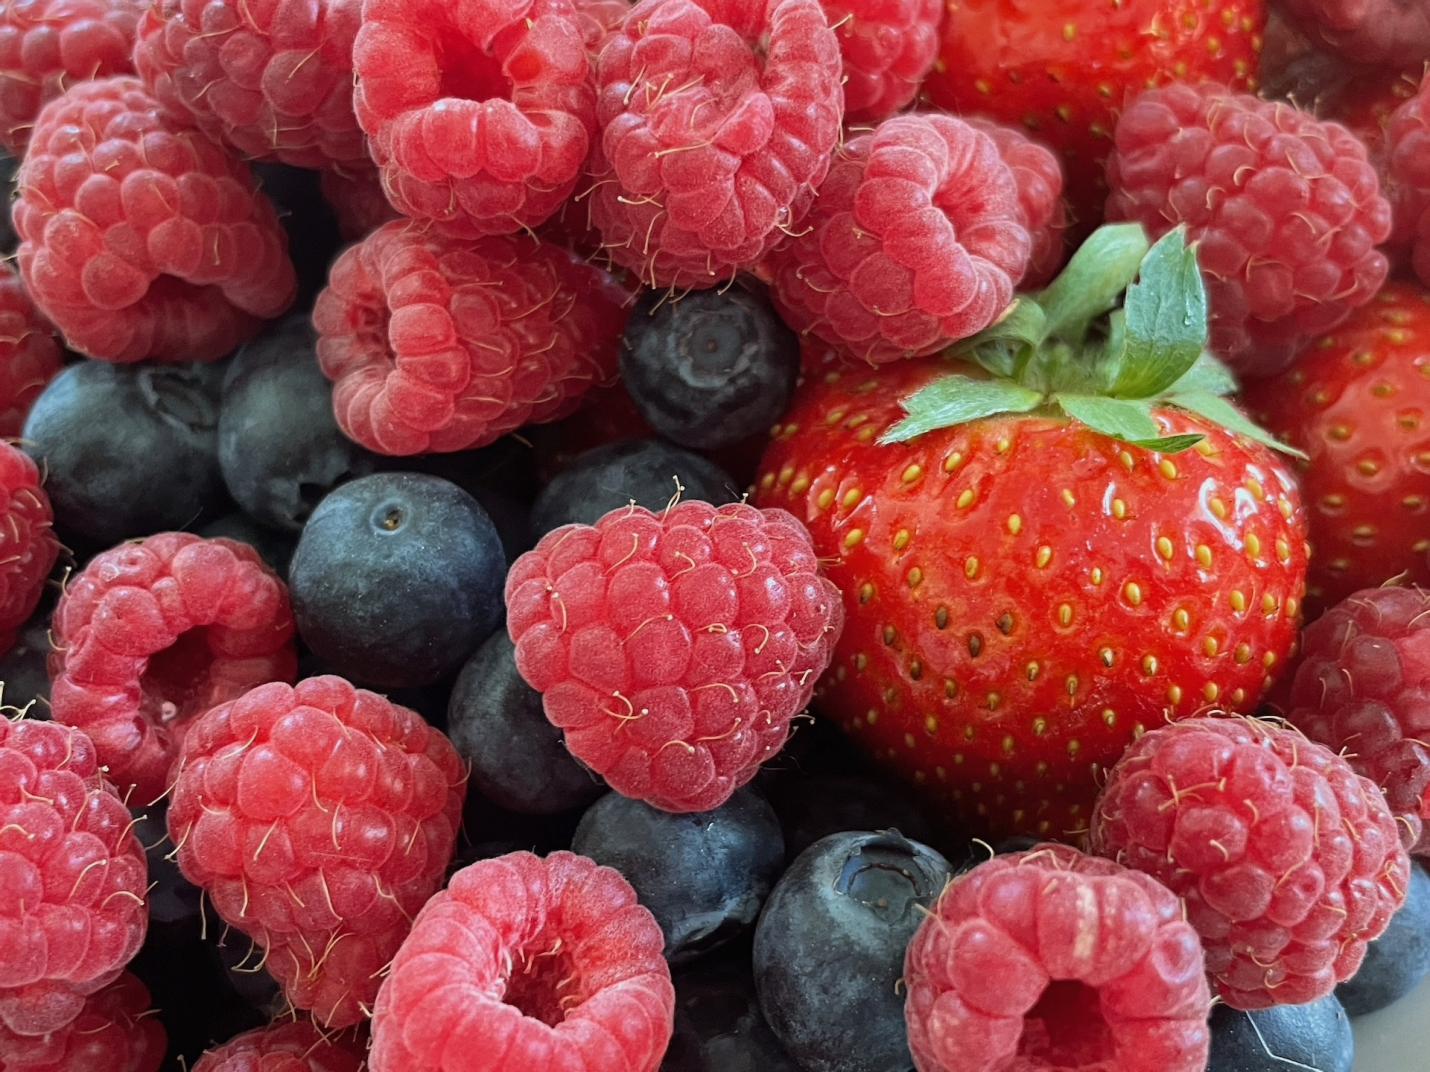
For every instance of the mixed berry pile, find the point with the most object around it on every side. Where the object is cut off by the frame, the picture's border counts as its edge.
(712, 535)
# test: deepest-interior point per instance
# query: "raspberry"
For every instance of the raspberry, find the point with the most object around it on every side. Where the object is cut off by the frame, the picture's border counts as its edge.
(152, 634)
(282, 1047)
(916, 241)
(480, 113)
(673, 649)
(272, 79)
(1287, 211)
(115, 1031)
(1006, 973)
(47, 44)
(29, 355)
(73, 873)
(438, 344)
(1363, 690)
(1367, 31)
(549, 963)
(1408, 174)
(358, 201)
(28, 547)
(1039, 175)
(888, 46)
(318, 819)
(1288, 861)
(718, 118)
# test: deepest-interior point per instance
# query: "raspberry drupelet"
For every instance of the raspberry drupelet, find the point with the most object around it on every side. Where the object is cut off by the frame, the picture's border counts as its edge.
(888, 46)
(1051, 959)
(480, 113)
(437, 344)
(1287, 212)
(1366, 31)
(28, 546)
(115, 1031)
(141, 239)
(917, 240)
(718, 118)
(153, 633)
(551, 963)
(283, 1047)
(673, 649)
(318, 819)
(1288, 861)
(1038, 173)
(74, 877)
(273, 80)
(29, 355)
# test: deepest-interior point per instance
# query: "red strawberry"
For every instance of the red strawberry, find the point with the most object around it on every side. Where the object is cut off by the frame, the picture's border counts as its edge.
(1064, 68)
(1025, 592)
(1358, 402)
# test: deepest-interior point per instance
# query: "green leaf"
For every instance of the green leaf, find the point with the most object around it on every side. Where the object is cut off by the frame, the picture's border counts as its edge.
(1221, 412)
(999, 346)
(1207, 376)
(1166, 320)
(1125, 419)
(1094, 279)
(1169, 444)
(955, 400)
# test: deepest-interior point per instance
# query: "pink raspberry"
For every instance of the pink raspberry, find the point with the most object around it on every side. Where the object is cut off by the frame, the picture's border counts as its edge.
(917, 240)
(152, 634)
(481, 113)
(358, 201)
(115, 1031)
(1363, 690)
(282, 1047)
(29, 355)
(1004, 973)
(1039, 176)
(888, 47)
(1407, 164)
(274, 80)
(318, 819)
(718, 118)
(74, 876)
(673, 649)
(550, 963)
(1289, 862)
(141, 239)
(437, 344)
(28, 547)
(1287, 211)
(1383, 32)
(47, 45)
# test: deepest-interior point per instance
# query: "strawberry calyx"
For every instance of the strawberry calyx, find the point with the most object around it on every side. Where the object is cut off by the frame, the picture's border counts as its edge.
(1120, 333)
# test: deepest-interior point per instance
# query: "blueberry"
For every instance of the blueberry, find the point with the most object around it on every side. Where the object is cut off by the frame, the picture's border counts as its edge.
(608, 477)
(312, 226)
(815, 807)
(1399, 959)
(24, 670)
(703, 875)
(718, 1026)
(8, 237)
(278, 444)
(397, 578)
(274, 547)
(829, 949)
(711, 368)
(1315, 1036)
(517, 758)
(128, 450)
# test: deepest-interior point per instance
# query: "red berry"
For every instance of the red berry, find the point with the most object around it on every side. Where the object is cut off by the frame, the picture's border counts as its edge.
(1287, 211)
(28, 547)
(140, 238)
(1367, 31)
(115, 1031)
(29, 355)
(318, 819)
(441, 344)
(1289, 862)
(1407, 154)
(673, 649)
(549, 963)
(917, 240)
(718, 118)
(1039, 176)
(1052, 959)
(1363, 690)
(74, 876)
(152, 634)
(480, 114)
(888, 47)
(282, 1047)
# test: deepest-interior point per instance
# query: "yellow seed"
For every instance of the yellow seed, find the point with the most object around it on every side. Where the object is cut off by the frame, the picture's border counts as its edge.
(916, 577)
(1257, 491)
(940, 617)
(786, 475)
(1243, 654)
(1283, 550)
(1040, 726)
(1368, 467)
(1125, 457)
(1068, 497)
(1149, 664)
(1015, 524)
(872, 716)
(1174, 695)
(909, 741)
(1292, 606)
(1253, 545)
(1119, 509)
(950, 688)
(1284, 505)
(767, 481)
(968, 733)
(1045, 555)
(826, 499)
(1238, 601)
(890, 635)
(851, 498)
(1065, 613)
(994, 700)
(866, 592)
(861, 661)
(916, 669)
(1107, 656)
(912, 473)
(800, 485)
(1210, 647)
(965, 499)
(1033, 669)
(1268, 660)
(1096, 574)
(901, 539)
(1211, 691)
(1181, 619)
(931, 724)
(1002, 445)
(1074, 747)
(1238, 697)
(1217, 507)
(970, 567)
(1269, 603)
(1204, 556)
(1165, 548)
(1168, 468)
(952, 462)
(835, 416)
(855, 538)
(1109, 716)
(1072, 684)
(1009, 745)
(1133, 593)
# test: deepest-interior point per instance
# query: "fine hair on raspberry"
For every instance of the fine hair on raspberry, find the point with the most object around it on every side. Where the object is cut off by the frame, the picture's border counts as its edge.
(294, 1046)
(28, 545)
(116, 1031)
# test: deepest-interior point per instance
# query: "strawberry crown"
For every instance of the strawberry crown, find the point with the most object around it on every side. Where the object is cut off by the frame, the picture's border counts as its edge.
(1122, 331)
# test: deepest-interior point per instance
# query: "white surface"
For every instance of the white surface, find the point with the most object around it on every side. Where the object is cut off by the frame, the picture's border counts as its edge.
(1394, 1039)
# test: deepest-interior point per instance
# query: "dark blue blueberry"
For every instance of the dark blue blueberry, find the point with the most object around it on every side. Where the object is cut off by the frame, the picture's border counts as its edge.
(274, 547)
(641, 470)
(718, 1026)
(24, 670)
(128, 450)
(312, 226)
(517, 758)
(829, 949)
(1283, 1038)
(1397, 961)
(396, 580)
(279, 447)
(709, 369)
(702, 875)
(815, 807)
(8, 237)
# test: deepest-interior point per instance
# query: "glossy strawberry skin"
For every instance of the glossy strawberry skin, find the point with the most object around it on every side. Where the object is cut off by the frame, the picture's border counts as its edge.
(1064, 68)
(1024, 596)
(1358, 402)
